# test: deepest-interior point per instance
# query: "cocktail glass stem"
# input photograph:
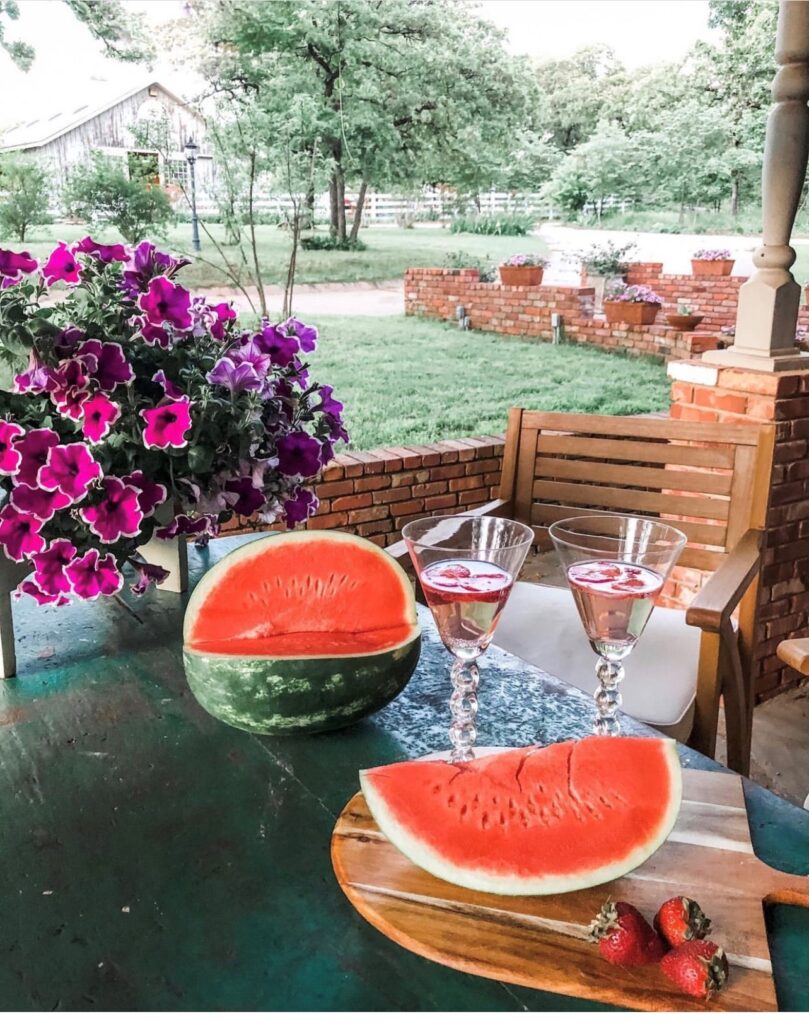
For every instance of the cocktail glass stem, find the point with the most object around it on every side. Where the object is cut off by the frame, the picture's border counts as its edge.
(608, 698)
(464, 707)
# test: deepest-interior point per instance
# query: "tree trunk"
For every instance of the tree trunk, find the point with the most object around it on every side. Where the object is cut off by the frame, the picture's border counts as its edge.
(262, 297)
(355, 227)
(734, 194)
(340, 189)
(333, 225)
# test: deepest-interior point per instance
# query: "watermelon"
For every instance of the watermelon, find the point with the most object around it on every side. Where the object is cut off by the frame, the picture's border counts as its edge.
(535, 820)
(300, 632)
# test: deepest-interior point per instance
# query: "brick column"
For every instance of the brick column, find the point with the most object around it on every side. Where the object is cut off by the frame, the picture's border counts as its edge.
(715, 394)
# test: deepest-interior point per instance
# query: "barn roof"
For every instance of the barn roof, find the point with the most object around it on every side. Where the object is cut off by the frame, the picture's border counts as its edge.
(42, 130)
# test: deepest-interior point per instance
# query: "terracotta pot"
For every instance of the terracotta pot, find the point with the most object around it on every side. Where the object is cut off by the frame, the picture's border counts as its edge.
(601, 285)
(682, 322)
(521, 277)
(711, 268)
(631, 312)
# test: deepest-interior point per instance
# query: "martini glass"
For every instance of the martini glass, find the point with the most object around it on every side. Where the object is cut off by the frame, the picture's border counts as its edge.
(466, 566)
(616, 567)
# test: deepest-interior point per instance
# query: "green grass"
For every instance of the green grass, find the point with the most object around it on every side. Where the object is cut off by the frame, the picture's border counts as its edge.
(390, 252)
(408, 380)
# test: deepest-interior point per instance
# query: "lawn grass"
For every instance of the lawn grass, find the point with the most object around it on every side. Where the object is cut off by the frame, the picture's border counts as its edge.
(408, 380)
(390, 252)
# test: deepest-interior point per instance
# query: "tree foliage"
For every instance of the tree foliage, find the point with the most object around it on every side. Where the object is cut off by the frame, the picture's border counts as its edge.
(23, 195)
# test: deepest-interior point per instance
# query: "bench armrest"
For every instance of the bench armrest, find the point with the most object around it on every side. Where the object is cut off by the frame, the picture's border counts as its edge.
(718, 599)
(796, 654)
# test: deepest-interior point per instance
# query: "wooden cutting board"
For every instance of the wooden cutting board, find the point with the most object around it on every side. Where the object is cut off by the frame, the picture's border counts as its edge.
(540, 941)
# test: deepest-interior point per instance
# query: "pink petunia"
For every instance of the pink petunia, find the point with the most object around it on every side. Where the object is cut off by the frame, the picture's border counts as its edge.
(19, 534)
(115, 253)
(111, 366)
(154, 335)
(169, 390)
(62, 265)
(166, 302)
(118, 513)
(71, 469)
(99, 415)
(34, 449)
(223, 312)
(40, 595)
(92, 576)
(50, 566)
(69, 402)
(183, 525)
(150, 494)
(10, 457)
(148, 574)
(37, 502)
(167, 425)
(14, 264)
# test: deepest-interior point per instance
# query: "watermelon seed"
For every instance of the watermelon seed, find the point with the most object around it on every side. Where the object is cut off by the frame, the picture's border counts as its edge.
(464, 809)
(451, 801)
(436, 789)
(502, 818)
(485, 820)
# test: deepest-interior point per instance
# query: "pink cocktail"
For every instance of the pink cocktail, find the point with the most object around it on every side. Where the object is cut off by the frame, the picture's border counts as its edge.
(615, 600)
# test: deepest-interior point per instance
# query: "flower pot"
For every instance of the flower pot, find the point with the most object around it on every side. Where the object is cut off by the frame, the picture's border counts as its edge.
(711, 268)
(521, 277)
(681, 322)
(601, 284)
(631, 312)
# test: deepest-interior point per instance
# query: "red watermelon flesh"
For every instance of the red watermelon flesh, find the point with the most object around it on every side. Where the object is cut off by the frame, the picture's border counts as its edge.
(535, 820)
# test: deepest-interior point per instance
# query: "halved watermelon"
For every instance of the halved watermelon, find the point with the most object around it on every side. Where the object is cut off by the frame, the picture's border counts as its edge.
(535, 820)
(301, 632)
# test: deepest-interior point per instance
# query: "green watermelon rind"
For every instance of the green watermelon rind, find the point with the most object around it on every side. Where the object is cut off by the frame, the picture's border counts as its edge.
(429, 859)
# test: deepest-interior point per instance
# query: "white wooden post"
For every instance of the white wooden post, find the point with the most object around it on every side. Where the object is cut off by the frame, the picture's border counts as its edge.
(767, 313)
(11, 576)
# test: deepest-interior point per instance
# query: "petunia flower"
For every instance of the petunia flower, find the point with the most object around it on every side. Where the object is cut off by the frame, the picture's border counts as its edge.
(67, 341)
(147, 575)
(35, 380)
(166, 302)
(73, 373)
(306, 335)
(250, 352)
(92, 576)
(116, 253)
(10, 456)
(281, 348)
(99, 414)
(183, 525)
(34, 448)
(167, 425)
(71, 469)
(14, 264)
(249, 498)
(69, 402)
(327, 405)
(154, 335)
(143, 264)
(50, 565)
(223, 312)
(299, 507)
(169, 390)
(118, 513)
(62, 265)
(150, 494)
(298, 454)
(236, 377)
(111, 365)
(40, 595)
(19, 534)
(35, 501)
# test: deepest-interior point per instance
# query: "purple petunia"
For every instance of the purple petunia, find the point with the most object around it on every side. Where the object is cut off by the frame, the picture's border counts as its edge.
(169, 390)
(10, 456)
(118, 513)
(249, 498)
(166, 302)
(35, 501)
(327, 405)
(92, 576)
(61, 266)
(14, 264)
(19, 534)
(148, 574)
(150, 494)
(154, 335)
(183, 525)
(281, 348)
(67, 341)
(50, 567)
(250, 352)
(116, 253)
(235, 376)
(99, 414)
(222, 312)
(143, 264)
(167, 425)
(305, 334)
(111, 365)
(299, 506)
(298, 454)
(34, 448)
(70, 469)
(34, 380)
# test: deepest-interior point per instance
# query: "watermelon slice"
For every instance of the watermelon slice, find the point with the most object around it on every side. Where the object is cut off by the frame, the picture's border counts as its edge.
(301, 632)
(535, 820)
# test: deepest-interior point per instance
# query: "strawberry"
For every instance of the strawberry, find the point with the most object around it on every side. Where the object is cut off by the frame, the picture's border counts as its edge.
(681, 919)
(699, 967)
(625, 937)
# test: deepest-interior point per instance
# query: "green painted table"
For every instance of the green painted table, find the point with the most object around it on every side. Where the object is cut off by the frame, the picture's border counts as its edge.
(154, 859)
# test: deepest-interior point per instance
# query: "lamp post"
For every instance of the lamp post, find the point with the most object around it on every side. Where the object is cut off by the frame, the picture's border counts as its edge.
(191, 149)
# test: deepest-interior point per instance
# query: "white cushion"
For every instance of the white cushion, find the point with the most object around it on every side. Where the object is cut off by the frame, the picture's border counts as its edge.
(541, 625)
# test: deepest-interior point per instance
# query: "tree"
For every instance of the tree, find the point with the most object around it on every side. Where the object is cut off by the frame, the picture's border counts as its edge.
(23, 195)
(608, 165)
(22, 54)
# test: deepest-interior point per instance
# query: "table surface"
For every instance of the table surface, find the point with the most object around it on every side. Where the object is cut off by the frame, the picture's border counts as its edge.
(155, 859)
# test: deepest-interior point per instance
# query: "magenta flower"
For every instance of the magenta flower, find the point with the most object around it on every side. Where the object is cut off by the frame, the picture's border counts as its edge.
(14, 264)
(70, 402)
(281, 348)
(34, 380)
(99, 415)
(19, 534)
(167, 302)
(35, 501)
(155, 336)
(183, 525)
(10, 457)
(298, 454)
(299, 507)
(111, 366)
(67, 341)
(34, 448)
(236, 377)
(61, 266)
(50, 565)
(169, 390)
(40, 595)
(144, 263)
(306, 335)
(327, 405)
(73, 373)
(223, 312)
(150, 494)
(147, 575)
(70, 469)
(167, 425)
(251, 353)
(104, 253)
(249, 498)
(91, 576)
(118, 513)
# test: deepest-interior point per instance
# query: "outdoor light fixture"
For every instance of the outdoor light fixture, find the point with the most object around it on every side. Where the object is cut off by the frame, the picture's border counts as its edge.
(191, 150)
(460, 316)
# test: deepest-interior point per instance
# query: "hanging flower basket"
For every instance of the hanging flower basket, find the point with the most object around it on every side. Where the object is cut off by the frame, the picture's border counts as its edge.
(712, 263)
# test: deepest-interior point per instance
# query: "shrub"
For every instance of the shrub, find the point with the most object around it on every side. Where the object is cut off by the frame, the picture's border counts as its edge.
(608, 259)
(102, 194)
(460, 260)
(317, 243)
(493, 224)
(23, 195)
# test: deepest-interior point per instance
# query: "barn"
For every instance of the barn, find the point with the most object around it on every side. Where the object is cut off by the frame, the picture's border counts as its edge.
(147, 128)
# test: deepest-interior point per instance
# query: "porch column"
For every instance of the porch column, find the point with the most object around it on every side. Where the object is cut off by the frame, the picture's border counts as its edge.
(768, 303)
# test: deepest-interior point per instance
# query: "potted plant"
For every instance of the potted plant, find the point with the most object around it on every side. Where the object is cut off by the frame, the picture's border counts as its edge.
(603, 267)
(523, 270)
(633, 304)
(684, 319)
(712, 263)
(143, 413)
